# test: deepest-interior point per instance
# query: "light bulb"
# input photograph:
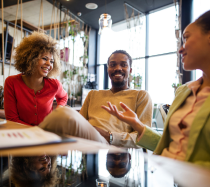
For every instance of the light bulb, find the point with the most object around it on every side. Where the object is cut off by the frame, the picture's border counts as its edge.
(105, 23)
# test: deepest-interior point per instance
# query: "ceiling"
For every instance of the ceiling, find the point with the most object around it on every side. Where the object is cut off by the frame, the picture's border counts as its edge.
(31, 11)
(114, 7)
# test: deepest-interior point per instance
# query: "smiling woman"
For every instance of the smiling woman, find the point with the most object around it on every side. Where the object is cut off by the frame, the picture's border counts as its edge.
(187, 126)
(31, 49)
(28, 97)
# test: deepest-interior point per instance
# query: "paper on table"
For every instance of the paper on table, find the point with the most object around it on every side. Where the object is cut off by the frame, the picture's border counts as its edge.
(26, 137)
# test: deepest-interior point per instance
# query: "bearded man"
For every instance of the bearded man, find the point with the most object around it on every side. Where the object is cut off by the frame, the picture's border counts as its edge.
(93, 122)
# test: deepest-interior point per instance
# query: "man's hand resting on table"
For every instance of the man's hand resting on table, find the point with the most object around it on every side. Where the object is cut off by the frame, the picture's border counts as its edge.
(127, 116)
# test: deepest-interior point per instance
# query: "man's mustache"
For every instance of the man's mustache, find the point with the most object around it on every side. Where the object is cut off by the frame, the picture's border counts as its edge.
(118, 72)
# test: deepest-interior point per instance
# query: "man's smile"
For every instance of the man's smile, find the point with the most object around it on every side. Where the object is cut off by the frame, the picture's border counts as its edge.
(118, 75)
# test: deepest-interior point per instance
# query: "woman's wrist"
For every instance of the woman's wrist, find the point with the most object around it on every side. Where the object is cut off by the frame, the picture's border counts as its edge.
(138, 126)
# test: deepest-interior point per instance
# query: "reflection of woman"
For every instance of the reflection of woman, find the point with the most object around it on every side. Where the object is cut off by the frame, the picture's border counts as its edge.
(34, 171)
(187, 127)
(28, 97)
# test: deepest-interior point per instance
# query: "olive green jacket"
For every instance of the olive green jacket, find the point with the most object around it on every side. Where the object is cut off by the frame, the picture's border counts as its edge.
(198, 149)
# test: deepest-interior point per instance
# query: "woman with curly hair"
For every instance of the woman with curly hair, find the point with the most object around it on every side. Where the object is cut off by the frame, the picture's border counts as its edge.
(28, 97)
(36, 171)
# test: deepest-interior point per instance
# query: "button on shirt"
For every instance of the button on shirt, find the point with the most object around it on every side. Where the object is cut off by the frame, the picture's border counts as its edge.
(181, 121)
(22, 105)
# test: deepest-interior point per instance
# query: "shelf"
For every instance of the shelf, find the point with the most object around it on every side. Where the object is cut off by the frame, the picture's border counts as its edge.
(26, 25)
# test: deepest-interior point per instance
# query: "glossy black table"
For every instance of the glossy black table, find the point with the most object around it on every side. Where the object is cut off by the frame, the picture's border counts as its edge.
(131, 168)
(81, 162)
(75, 169)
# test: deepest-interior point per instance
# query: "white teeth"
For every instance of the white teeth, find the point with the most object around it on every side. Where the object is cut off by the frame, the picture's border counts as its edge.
(45, 69)
(118, 75)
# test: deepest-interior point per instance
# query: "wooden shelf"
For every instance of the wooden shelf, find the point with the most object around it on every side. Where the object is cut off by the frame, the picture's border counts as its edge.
(26, 25)
(62, 24)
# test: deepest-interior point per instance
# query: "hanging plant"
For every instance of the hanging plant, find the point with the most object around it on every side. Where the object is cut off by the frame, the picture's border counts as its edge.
(84, 79)
(85, 40)
(75, 70)
(73, 32)
(67, 75)
(137, 81)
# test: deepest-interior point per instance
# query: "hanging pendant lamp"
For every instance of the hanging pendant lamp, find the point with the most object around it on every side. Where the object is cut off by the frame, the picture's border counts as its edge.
(105, 21)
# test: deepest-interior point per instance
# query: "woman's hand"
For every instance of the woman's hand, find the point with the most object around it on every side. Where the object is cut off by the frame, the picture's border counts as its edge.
(127, 116)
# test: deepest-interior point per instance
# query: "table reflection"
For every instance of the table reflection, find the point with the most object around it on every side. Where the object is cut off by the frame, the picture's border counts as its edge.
(64, 170)
(75, 169)
(118, 164)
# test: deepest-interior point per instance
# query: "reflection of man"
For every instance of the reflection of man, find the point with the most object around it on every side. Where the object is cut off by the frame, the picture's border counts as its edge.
(95, 123)
(119, 164)
(34, 171)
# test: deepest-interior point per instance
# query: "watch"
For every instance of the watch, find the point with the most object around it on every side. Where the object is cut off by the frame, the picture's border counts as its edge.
(110, 138)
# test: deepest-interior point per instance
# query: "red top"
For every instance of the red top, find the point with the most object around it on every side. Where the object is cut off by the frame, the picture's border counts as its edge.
(22, 105)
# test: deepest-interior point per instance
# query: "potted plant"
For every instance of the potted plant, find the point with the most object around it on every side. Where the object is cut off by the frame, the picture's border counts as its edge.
(74, 73)
(84, 60)
(84, 79)
(67, 75)
(79, 96)
(137, 81)
(75, 70)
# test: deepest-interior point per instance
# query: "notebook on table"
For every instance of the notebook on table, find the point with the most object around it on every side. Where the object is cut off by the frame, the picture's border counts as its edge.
(14, 138)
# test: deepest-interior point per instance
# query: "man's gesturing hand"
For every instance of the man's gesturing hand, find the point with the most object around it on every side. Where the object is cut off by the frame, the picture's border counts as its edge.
(127, 116)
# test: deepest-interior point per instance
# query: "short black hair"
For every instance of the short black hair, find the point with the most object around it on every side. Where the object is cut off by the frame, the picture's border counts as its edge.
(204, 21)
(122, 52)
(120, 175)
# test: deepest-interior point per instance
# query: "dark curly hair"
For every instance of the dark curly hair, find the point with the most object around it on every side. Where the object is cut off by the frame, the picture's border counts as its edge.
(204, 21)
(122, 52)
(22, 173)
(30, 50)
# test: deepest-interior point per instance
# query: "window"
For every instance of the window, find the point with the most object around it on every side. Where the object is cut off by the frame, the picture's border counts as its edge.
(161, 77)
(100, 77)
(162, 31)
(157, 66)
(132, 41)
(162, 55)
(199, 7)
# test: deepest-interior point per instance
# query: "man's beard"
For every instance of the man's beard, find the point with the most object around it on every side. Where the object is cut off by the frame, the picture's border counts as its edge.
(118, 84)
